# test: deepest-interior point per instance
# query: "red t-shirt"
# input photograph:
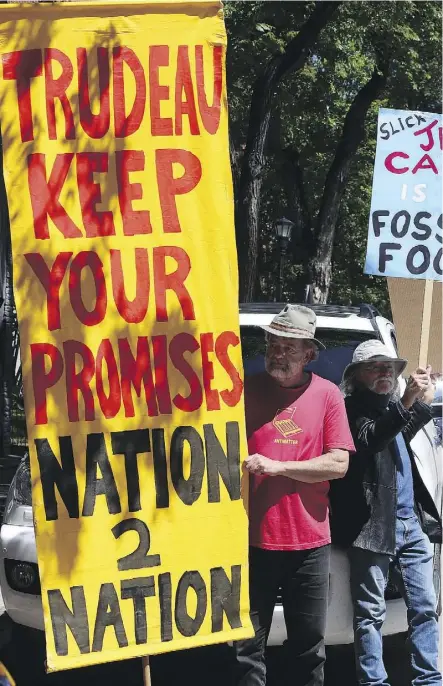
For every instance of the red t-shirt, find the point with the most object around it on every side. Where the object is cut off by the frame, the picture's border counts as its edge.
(287, 425)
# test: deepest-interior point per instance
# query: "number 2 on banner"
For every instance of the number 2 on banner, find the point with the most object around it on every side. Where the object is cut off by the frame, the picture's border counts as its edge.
(139, 559)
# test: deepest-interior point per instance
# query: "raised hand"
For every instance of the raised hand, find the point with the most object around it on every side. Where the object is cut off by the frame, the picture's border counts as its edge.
(419, 386)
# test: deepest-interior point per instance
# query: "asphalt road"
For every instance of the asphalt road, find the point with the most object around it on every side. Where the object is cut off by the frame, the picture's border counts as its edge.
(22, 650)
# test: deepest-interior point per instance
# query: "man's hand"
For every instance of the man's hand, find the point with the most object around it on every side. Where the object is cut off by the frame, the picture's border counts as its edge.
(429, 394)
(259, 464)
(419, 386)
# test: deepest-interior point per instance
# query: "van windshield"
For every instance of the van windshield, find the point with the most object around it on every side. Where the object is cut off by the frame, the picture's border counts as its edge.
(340, 346)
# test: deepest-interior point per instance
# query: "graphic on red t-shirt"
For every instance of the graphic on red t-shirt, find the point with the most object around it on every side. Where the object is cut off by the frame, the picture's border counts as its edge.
(284, 422)
(289, 424)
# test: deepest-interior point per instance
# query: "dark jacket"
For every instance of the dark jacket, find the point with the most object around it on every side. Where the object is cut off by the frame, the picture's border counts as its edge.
(364, 503)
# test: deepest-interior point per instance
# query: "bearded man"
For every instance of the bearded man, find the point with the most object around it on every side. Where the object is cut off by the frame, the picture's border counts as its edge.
(298, 439)
(383, 511)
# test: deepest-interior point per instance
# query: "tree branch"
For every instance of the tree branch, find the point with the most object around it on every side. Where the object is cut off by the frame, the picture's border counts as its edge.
(351, 139)
(337, 177)
(248, 201)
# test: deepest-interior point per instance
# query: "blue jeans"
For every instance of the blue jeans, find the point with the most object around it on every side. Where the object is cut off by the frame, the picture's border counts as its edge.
(369, 572)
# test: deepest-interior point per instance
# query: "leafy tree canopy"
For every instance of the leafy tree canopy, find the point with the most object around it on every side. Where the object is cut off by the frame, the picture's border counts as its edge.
(309, 107)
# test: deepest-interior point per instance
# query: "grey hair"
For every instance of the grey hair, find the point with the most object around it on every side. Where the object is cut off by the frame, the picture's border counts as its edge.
(351, 384)
(348, 384)
(310, 345)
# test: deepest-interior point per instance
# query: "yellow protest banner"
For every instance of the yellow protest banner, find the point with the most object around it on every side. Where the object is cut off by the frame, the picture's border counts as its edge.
(115, 134)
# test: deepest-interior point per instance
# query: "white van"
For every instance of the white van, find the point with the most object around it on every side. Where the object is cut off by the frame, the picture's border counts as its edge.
(341, 329)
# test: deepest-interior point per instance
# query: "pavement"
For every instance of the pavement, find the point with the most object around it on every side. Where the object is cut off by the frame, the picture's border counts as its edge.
(24, 654)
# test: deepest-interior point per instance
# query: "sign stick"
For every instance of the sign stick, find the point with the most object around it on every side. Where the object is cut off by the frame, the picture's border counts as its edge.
(425, 324)
(146, 672)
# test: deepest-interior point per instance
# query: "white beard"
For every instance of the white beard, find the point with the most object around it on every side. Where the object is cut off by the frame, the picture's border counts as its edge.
(374, 385)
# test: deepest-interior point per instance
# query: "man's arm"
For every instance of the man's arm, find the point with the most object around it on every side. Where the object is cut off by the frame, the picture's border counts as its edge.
(421, 414)
(374, 435)
(407, 414)
(331, 465)
(420, 403)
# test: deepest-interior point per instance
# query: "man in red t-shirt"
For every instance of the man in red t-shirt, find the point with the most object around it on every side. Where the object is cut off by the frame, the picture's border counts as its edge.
(298, 439)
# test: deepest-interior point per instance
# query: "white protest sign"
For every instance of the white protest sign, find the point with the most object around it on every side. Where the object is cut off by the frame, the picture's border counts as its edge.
(405, 225)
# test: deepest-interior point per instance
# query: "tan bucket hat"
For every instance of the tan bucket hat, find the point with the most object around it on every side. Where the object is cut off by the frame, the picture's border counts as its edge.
(295, 321)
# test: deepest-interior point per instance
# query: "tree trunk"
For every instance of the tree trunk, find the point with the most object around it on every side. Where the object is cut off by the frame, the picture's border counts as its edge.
(299, 211)
(234, 157)
(249, 190)
(320, 269)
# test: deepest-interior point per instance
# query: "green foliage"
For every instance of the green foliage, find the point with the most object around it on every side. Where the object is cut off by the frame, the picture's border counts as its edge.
(310, 107)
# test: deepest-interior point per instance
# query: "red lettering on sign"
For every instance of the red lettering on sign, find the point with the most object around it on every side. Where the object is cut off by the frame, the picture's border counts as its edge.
(134, 372)
(132, 311)
(184, 87)
(127, 124)
(51, 280)
(210, 114)
(185, 343)
(78, 381)
(174, 281)
(426, 162)
(207, 347)
(56, 89)
(94, 125)
(95, 223)
(428, 131)
(224, 341)
(169, 186)
(22, 66)
(134, 221)
(158, 57)
(45, 195)
(88, 260)
(42, 379)
(110, 404)
(389, 163)
(160, 354)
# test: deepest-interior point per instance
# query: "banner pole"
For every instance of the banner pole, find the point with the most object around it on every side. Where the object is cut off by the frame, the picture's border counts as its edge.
(426, 324)
(146, 672)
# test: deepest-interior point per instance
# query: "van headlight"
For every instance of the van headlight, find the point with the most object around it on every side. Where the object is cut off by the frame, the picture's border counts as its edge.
(18, 507)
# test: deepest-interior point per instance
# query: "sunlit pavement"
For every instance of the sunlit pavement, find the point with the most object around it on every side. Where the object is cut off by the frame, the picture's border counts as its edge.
(23, 654)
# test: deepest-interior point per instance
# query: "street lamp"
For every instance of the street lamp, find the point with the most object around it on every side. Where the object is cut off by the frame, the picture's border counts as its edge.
(283, 229)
